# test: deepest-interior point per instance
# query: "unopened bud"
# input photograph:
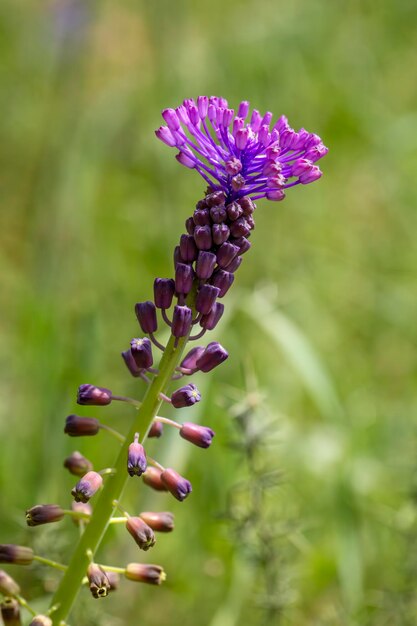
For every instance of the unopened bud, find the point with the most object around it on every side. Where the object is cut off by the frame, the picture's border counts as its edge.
(136, 458)
(87, 487)
(76, 426)
(152, 478)
(44, 514)
(205, 264)
(190, 360)
(163, 290)
(146, 314)
(131, 363)
(215, 198)
(155, 430)
(206, 297)
(184, 276)
(91, 395)
(211, 320)
(99, 583)
(19, 555)
(220, 233)
(114, 580)
(188, 247)
(161, 522)
(212, 356)
(141, 532)
(77, 464)
(200, 436)
(145, 573)
(226, 253)
(248, 206)
(181, 321)
(8, 586)
(141, 349)
(176, 484)
(185, 396)
(223, 280)
(10, 612)
(41, 620)
(81, 507)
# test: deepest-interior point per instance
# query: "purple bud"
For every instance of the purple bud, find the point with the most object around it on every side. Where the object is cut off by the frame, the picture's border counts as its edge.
(171, 119)
(206, 297)
(242, 137)
(238, 182)
(234, 265)
(190, 360)
(141, 532)
(164, 134)
(91, 395)
(301, 166)
(247, 205)
(205, 265)
(184, 276)
(243, 109)
(19, 555)
(155, 430)
(185, 396)
(223, 280)
(146, 314)
(211, 320)
(177, 256)
(8, 586)
(226, 253)
(275, 194)
(190, 225)
(234, 210)
(152, 478)
(76, 426)
(212, 356)
(177, 485)
(216, 198)
(202, 105)
(186, 159)
(99, 583)
(218, 214)
(202, 237)
(200, 436)
(181, 321)
(87, 487)
(233, 166)
(188, 248)
(250, 222)
(44, 514)
(201, 217)
(136, 458)
(141, 349)
(163, 291)
(77, 464)
(242, 243)
(162, 522)
(220, 233)
(130, 363)
(145, 573)
(10, 612)
(308, 177)
(239, 228)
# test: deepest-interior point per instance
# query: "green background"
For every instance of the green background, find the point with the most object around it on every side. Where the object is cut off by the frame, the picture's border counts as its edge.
(321, 323)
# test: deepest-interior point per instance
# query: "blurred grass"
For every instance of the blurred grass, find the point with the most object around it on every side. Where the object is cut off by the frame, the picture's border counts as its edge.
(92, 207)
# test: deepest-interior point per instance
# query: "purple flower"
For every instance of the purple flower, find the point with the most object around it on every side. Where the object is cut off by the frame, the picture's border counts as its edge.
(141, 350)
(185, 396)
(240, 155)
(136, 458)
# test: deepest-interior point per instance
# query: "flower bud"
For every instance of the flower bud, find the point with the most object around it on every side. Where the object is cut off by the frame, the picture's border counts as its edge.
(234, 210)
(247, 204)
(114, 580)
(44, 514)
(218, 214)
(201, 217)
(211, 320)
(188, 247)
(155, 430)
(220, 233)
(234, 265)
(161, 522)
(81, 507)
(206, 262)
(190, 226)
(41, 620)
(183, 278)
(202, 237)
(215, 199)
(240, 228)
(99, 583)
(8, 586)
(10, 612)
(175, 483)
(19, 555)
(136, 458)
(145, 573)
(131, 363)
(141, 532)
(152, 478)
(200, 436)
(223, 280)
(76, 426)
(87, 487)
(141, 349)
(212, 356)
(206, 297)
(242, 243)
(190, 360)
(146, 314)
(163, 289)
(91, 395)
(181, 321)
(185, 396)
(77, 464)
(226, 253)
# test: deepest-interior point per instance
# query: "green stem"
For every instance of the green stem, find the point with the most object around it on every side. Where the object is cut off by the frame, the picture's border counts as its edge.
(70, 584)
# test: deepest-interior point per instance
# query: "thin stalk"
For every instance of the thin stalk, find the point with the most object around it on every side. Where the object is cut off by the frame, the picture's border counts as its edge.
(41, 559)
(104, 509)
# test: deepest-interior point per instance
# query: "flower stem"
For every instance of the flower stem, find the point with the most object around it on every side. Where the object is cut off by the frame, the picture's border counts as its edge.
(104, 509)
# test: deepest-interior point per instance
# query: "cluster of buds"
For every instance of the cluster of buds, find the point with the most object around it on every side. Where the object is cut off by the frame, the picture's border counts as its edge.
(241, 162)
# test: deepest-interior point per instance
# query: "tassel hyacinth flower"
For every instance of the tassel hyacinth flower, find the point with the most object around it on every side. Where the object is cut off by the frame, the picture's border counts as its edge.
(243, 156)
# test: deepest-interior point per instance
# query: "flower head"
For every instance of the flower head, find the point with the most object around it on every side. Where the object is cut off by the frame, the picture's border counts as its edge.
(238, 154)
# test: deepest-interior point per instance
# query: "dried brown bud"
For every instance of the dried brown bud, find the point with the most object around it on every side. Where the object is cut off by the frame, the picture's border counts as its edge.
(10, 612)
(77, 464)
(87, 486)
(41, 620)
(19, 555)
(99, 583)
(76, 426)
(44, 514)
(8, 586)
(114, 580)
(141, 532)
(156, 429)
(152, 478)
(162, 522)
(145, 573)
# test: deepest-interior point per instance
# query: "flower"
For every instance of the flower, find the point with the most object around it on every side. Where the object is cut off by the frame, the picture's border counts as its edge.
(238, 155)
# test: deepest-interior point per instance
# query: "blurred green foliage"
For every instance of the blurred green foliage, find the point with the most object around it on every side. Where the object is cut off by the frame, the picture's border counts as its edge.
(323, 311)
